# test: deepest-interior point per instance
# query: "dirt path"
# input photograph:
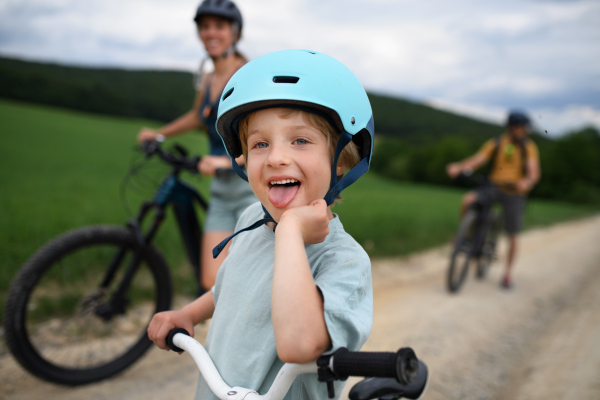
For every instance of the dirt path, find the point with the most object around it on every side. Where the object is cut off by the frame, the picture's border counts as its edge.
(538, 341)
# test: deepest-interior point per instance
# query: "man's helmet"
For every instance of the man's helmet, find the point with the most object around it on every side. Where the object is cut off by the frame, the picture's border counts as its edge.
(304, 80)
(221, 8)
(518, 118)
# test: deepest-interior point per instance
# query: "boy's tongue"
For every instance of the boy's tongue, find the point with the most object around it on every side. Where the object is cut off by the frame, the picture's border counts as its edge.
(281, 195)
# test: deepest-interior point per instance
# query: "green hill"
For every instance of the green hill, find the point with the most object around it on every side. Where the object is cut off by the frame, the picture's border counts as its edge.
(164, 95)
(418, 123)
(156, 95)
(415, 141)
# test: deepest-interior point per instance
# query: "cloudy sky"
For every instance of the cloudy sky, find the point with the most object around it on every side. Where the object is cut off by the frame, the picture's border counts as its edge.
(475, 57)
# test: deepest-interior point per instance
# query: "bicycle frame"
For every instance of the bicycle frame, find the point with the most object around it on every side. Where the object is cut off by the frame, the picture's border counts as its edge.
(481, 226)
(182, 196)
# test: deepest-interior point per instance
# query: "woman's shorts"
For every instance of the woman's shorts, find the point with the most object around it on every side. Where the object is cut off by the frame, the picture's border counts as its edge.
(230, 195)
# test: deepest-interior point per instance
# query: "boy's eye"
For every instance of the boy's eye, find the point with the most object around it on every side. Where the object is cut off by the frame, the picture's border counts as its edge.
(261, 145)
(300, 141)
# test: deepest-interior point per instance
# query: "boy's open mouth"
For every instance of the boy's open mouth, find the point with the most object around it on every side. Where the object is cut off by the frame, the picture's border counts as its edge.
(282, 192)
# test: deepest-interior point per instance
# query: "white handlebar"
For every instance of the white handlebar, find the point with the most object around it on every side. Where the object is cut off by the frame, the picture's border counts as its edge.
(278, 390)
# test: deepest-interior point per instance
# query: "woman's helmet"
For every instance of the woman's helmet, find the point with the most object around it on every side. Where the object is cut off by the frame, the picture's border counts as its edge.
(304, 80)
(221, 8)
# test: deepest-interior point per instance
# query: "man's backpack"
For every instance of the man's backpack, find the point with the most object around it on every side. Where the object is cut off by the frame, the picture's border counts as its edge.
(522, 144)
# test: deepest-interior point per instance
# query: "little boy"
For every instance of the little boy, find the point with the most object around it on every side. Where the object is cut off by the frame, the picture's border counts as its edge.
(294, 284)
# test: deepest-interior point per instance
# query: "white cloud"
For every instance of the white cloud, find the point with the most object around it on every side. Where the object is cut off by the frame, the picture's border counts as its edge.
(495, 55)
(545, 120)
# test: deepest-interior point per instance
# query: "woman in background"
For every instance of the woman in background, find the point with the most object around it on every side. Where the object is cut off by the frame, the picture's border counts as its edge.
(219, 24)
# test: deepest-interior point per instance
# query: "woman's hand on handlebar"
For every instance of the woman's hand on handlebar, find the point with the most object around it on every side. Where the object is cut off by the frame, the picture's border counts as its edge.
(146, 134)
(208, 165)
(162, 323)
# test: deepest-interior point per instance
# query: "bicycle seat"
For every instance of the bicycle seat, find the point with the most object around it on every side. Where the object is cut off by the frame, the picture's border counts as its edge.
(389, 388)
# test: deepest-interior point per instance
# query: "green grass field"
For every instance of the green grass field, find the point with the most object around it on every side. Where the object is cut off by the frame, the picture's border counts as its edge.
(61, 170)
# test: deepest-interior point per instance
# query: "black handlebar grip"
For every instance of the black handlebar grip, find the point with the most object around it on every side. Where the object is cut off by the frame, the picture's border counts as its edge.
(403, 365)
(170, 336)
(149, 147)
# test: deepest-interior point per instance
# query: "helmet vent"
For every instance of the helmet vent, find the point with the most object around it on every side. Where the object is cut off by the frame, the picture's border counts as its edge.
(285, 79)
(226, 95)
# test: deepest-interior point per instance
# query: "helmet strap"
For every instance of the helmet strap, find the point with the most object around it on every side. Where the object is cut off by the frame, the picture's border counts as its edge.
(238, 169)
(219, 248)
(352, 176)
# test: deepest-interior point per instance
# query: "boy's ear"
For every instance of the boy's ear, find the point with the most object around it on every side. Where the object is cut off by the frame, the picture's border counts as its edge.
(340, 169)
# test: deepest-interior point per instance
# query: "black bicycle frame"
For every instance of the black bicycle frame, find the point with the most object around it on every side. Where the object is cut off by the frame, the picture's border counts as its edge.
(182, 196)
(482, 224)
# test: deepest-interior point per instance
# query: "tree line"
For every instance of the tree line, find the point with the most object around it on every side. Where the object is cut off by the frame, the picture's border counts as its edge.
(570, 164)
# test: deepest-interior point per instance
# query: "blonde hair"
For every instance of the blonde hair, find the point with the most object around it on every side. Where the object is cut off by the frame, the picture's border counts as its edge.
(348, 157)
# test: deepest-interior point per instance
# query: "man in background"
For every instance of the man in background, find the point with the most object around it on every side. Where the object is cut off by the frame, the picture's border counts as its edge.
(514, 170)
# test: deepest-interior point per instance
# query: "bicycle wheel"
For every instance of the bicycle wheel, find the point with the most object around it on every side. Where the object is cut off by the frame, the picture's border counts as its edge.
(489, 245)
(62, 327)
(461, 255)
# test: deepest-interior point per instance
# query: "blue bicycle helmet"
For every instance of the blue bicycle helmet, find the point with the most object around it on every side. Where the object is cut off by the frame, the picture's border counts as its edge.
(305, 80)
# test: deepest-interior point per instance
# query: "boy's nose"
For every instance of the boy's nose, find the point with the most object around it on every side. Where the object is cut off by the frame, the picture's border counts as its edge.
(278, 156)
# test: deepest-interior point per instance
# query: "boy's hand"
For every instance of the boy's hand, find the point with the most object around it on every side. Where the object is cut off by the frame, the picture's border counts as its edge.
(162, 323)
(312, 221)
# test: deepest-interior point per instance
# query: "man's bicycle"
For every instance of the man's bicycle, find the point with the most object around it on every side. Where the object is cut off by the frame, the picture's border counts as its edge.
(78, 310)
(475, 241)
(393, 375)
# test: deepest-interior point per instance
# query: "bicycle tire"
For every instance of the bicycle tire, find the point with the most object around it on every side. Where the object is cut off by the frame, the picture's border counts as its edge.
(489, 245)
(459, 266)
(46, 329)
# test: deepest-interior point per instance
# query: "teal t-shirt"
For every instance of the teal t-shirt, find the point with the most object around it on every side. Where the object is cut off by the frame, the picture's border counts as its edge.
(241, 340)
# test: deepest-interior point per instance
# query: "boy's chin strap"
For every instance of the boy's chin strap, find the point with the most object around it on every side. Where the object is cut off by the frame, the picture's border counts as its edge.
(219, 248)
(335, 187)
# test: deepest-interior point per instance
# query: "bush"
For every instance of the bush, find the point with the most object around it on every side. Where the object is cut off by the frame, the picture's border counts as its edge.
(570, 165)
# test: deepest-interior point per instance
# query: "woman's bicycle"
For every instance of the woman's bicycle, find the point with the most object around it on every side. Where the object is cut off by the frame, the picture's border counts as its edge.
(393, 375)
(475, 241)
(78, 309)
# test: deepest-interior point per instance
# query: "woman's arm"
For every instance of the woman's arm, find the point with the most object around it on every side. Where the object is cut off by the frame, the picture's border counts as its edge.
(296, 306)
